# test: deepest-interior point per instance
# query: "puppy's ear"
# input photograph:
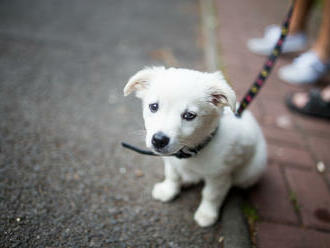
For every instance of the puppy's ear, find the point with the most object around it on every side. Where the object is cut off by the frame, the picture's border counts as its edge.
(141, 80)
(220, 93)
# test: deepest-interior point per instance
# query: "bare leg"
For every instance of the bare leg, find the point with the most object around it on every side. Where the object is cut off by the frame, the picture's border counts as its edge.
(322, 44)
(213, 194)
(322, 49)
(300, 16)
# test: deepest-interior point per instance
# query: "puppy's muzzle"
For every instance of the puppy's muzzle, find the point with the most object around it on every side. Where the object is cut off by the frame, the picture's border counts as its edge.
(160, 140)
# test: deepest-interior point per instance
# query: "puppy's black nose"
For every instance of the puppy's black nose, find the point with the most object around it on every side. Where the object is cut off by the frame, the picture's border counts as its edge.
(160, 140)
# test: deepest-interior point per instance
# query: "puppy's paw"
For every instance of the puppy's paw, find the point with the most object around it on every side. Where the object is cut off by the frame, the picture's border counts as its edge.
(205, 217)
(165, 191)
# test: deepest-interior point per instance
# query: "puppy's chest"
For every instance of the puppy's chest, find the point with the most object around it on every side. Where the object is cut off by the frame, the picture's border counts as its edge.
(202, 165)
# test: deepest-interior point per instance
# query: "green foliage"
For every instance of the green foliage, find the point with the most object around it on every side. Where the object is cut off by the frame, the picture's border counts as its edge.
(294, 201)
(250, 212)
(319, 3)
(252, 217)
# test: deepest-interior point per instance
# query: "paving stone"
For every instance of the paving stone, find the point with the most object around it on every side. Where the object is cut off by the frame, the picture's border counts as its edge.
(272, 235)
(320, 148)
(271, 197)
(313, 197)
(275, 113)
(327, 176)
(256, 110)
(285, 132)
(313, 126)
(281, 135)
(290, 155)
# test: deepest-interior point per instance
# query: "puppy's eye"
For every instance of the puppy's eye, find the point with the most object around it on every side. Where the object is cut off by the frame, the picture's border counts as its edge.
(188, 116)
(153, 107)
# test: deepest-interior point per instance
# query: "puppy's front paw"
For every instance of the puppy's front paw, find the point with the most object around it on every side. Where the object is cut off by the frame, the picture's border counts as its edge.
(165, 191)
(205, 217)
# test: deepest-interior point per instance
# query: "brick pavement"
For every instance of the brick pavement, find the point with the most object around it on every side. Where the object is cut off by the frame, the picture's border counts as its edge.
(293, 199)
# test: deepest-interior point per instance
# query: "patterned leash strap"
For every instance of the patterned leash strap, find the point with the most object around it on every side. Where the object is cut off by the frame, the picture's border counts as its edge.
(268, 66)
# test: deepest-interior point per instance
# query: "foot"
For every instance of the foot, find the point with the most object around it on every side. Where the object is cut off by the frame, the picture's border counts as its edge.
(264, 46)
(165, 191)
(206, 214)
(313, 103)
(305, 69)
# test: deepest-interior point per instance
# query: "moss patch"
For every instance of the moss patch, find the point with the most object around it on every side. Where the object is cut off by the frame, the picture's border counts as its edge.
(251, 214)
(294, 201)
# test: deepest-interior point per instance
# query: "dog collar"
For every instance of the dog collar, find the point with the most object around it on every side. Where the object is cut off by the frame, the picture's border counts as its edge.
(185, 152)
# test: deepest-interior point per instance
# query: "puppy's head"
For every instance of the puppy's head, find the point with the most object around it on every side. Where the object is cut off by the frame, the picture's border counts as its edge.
(180, 107)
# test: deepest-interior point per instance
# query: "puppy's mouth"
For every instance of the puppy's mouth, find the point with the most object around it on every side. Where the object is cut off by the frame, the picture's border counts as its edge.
(165, 151)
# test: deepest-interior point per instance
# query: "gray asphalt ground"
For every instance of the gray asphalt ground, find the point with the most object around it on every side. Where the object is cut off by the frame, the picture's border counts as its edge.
(64, 179)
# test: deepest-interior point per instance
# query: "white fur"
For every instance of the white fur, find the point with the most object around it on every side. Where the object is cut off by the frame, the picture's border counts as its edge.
(237, 154)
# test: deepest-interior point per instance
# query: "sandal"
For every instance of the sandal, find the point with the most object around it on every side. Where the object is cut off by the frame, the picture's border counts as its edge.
(315, 106)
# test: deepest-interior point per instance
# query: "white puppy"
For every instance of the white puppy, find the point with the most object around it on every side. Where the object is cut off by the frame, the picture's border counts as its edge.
(190, 112)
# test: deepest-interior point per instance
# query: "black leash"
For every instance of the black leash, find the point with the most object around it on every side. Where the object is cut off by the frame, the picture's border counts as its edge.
(268, 66)
(248, 98)
(138, 150)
